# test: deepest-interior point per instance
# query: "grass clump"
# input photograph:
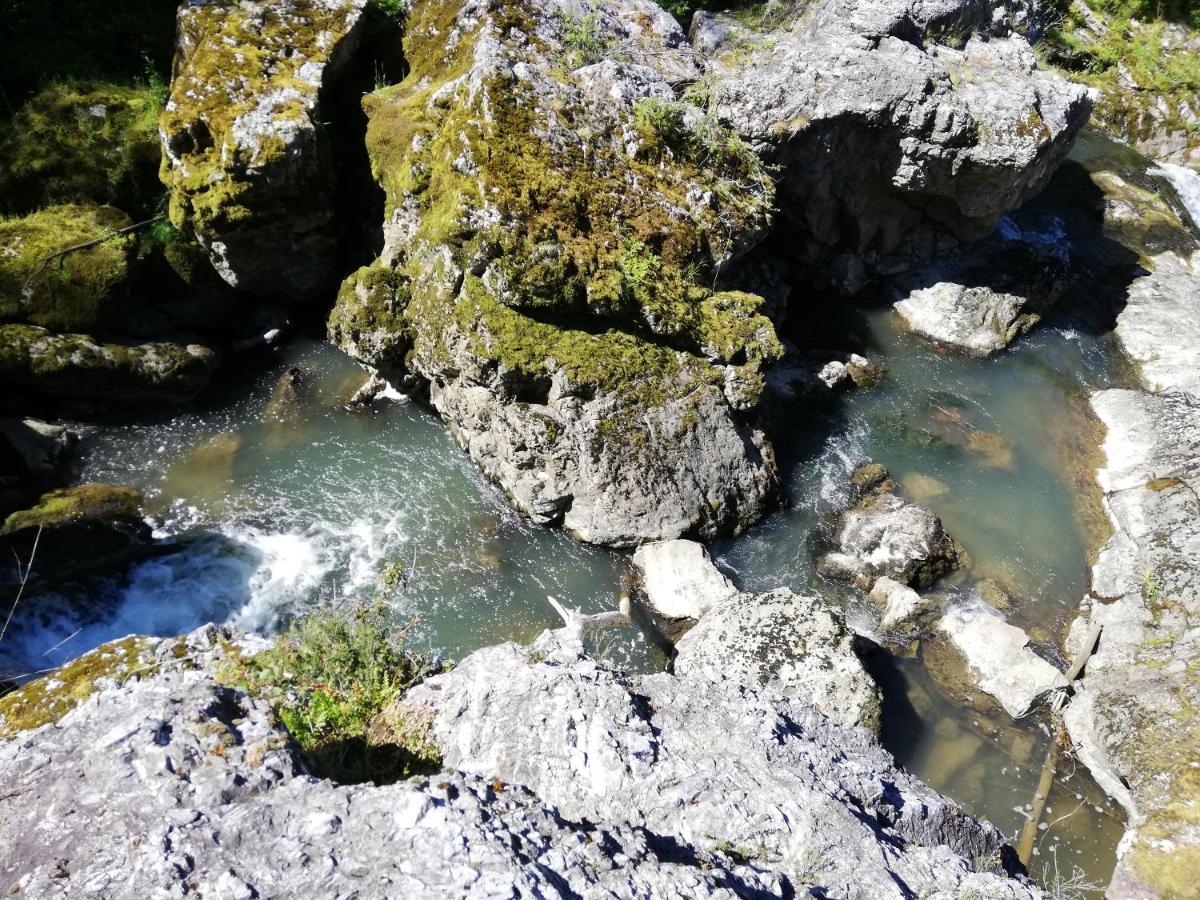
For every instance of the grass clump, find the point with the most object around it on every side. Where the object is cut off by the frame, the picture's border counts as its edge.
(333, 677)
(585, 39)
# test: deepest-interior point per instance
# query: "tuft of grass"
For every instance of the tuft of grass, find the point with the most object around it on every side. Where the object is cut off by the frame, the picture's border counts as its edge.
(586, 43)
(332, 677)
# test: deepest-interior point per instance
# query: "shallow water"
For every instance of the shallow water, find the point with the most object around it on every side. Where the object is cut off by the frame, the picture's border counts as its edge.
(276, 507)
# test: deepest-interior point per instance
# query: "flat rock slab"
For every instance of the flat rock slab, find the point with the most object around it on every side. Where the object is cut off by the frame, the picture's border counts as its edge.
(1000, 659)
(1160, 324)
(679, 582)
(792, 643)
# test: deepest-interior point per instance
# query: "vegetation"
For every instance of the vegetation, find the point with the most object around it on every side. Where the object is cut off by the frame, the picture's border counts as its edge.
(333, 677)
(585, 39)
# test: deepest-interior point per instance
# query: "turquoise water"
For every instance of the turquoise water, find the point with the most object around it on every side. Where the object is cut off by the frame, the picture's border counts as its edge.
(274, 508)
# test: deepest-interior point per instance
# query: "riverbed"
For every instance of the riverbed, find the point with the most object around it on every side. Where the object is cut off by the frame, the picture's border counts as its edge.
(271, 500)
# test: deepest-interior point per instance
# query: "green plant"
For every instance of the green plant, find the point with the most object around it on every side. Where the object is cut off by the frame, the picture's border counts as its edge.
(393, 9)
(637, 265)
(1151, 585)
(586, 43)
(332, 677)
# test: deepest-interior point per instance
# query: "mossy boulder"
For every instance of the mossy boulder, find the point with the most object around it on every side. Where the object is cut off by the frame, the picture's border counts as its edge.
(82, 142)
(81, 289)
(76, 531)
(552, 239)
(245, 156)
(77, 371)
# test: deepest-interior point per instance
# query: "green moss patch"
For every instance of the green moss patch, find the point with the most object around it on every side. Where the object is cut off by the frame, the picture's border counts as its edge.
(77, 290)
(84, 503)
(83, 142)
(49, 698)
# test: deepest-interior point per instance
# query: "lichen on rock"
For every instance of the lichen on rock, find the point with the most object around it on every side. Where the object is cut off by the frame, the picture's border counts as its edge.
(554, 255)
(245, 156)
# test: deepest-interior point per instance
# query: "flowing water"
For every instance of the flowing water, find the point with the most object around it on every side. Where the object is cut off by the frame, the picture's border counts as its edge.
(271, 501)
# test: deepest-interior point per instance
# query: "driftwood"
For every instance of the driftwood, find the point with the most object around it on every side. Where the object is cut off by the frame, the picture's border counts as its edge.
(578, 623)
(46, 260)
(1046, 781)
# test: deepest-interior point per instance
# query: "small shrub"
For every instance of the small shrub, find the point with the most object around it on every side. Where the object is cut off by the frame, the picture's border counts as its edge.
(332, 677)
(585, 41)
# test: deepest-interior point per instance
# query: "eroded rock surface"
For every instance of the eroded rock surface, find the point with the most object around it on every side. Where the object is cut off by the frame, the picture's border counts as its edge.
(245, 153)
(1160, 324)
(886, 535)
(901, 129)
(1134, 718)
(568, 779)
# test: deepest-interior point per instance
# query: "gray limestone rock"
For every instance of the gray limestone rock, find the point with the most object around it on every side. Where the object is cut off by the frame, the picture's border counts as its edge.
(1160, 324)
(563, 779)
(679, 583)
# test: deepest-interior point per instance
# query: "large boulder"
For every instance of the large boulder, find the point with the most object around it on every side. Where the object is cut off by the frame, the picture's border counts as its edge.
(1159, 328)
(555, 219)
(562, 778)
(77, 371)
(901, 129)
(886, 535)
(245, 153)
(1134, 718)
(793, 644)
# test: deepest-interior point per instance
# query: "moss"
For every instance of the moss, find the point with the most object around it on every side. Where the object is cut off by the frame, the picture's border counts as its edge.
(49, 698)
(368, 318)
(586, 259)
(76, 367)
(239, 62)
(80, 289)
(83, 142)
(86, 502)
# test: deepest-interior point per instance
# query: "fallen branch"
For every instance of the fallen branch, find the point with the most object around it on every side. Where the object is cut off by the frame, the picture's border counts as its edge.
(46, 260)
(24, 579)
(579, 623)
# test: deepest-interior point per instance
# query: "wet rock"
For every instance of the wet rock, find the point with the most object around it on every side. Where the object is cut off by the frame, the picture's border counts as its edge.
(999, 658)
(288, 396)
(34, 457)
(678, 583)
(76, 370)
(1133, 719)
(884, 535)
(1159, 326)
(564, 778)
(793, 644)
(923, 488)
(247, 161)
(902, 606)
(895, 146)
(71, 531)
(982, 300)
(568, 333)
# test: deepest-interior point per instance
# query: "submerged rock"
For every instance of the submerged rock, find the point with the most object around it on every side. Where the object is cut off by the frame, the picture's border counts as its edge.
(901, 130)
(793, 644)
(999, 658)
(679, 583)
(75, 370)
(884, 535)
(1134, 718)
(561, 777)
(245, 154)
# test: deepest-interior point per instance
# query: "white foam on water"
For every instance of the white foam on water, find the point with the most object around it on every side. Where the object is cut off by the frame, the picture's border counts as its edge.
(1186, 182)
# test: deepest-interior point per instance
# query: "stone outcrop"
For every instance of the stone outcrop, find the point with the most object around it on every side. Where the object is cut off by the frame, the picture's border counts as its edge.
(678, 583)
(983, 299)
(793, 644)
(76, 370)
(34, 457)
(555, 218)
(999, 658)
(1159, 328)
(1133, 720)
(900, 129)
(244, 152)
(562, 778)
(885, 535)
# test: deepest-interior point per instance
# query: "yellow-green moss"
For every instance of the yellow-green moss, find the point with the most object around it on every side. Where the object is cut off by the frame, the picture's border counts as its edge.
(368, 318)
(69, 505)
(83, 142)
(238, 58)
(79, 290)
(49, 698)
